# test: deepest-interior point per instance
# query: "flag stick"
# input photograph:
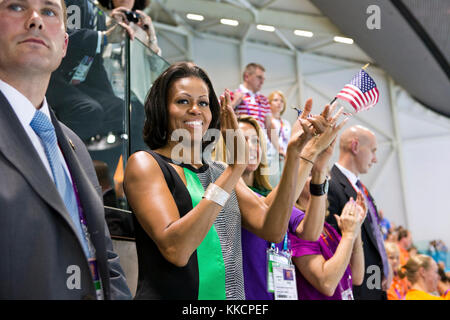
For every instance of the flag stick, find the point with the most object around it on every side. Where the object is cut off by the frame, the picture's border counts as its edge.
(298, 111)
(335, 98)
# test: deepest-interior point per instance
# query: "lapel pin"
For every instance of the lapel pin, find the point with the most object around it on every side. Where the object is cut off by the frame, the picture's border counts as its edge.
(72, 145)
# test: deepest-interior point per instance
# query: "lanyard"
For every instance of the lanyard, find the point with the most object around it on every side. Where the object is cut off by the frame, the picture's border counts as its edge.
(281, 133)
(400, 297)
(285, 244)
(92, 258)
(325, 239)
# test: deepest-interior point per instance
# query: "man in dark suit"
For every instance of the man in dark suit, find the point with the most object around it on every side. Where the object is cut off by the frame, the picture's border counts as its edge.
(54, 243)
(358, 147)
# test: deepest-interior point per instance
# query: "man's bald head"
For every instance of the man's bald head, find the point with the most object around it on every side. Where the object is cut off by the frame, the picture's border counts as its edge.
(357, 147)
(354, 133)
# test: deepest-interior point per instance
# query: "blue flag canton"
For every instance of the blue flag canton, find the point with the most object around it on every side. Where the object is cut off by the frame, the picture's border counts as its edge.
(363, 81)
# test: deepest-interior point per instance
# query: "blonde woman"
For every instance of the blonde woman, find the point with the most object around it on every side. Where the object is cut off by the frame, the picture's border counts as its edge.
(256, 178)
(280, 134)
(277, 102)
(399, 287)
(422, 273)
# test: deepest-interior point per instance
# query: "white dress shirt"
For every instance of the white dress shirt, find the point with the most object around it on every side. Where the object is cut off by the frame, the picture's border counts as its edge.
(350, 175)
(25, 111)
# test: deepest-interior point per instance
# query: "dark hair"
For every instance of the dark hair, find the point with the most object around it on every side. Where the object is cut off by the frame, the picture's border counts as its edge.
(402, 233)
(138, 4)
(442, 275)
(156, 122)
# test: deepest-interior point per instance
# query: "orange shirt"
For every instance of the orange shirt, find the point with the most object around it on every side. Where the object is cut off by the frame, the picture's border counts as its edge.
(421, 295)
(446, 295)
(404, 256)
(398, 289)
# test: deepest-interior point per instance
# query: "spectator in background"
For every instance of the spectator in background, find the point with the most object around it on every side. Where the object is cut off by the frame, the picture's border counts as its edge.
(120, 223)
(441, 251)
(281, 126)
(422, 273)
(143, 55)
(392, 235)
(385, 225)
(412, 251)
(358, 146)
(79, 90)
(443, 287)
(404, 242)
(109, 195)
(247, 100)
(141, 24)
(399, 286)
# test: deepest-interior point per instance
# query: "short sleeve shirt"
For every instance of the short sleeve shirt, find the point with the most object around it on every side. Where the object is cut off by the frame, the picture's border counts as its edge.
(253, 104)
(325, 246)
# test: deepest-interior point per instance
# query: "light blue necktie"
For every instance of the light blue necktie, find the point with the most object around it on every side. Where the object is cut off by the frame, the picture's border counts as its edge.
(44, 129)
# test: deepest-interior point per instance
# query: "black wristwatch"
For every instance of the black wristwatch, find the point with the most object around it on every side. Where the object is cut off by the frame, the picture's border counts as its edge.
(319, 189)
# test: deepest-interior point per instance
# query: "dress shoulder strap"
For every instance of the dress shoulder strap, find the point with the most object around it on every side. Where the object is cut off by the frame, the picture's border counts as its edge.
(167, 170)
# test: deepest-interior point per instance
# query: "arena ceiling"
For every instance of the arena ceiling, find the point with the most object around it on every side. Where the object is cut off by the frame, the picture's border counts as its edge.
(412, 43)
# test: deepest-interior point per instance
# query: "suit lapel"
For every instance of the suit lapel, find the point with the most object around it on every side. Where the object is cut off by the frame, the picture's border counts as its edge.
(346, 185)
(350, 192)
(16, 147)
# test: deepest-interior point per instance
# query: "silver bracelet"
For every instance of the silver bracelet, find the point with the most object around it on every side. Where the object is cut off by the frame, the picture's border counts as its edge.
(216, 194)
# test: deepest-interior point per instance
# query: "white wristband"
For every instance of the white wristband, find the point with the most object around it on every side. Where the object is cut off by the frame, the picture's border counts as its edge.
(216, 194)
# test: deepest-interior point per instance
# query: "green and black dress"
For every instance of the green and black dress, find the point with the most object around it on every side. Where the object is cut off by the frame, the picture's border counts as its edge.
(214, 271)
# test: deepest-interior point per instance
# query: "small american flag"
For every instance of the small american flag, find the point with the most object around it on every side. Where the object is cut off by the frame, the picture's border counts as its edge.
(361, 92)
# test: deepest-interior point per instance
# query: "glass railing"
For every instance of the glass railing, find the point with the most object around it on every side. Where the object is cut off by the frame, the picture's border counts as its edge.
(100, 95)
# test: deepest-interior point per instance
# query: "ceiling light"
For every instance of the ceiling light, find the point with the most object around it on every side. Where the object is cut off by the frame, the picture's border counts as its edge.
(343, 40)
(195, 17)
(303, 33)
(111, 139)
(264, 27)
(229, 22)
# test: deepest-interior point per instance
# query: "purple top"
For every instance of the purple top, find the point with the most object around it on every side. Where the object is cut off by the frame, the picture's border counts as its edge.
(255, 260)
(327, 249)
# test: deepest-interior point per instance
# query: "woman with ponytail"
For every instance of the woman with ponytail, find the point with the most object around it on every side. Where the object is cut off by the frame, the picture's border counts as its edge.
(422, 273)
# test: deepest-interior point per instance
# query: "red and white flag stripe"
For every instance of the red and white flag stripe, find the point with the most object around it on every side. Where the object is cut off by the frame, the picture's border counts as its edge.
(357, 99)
